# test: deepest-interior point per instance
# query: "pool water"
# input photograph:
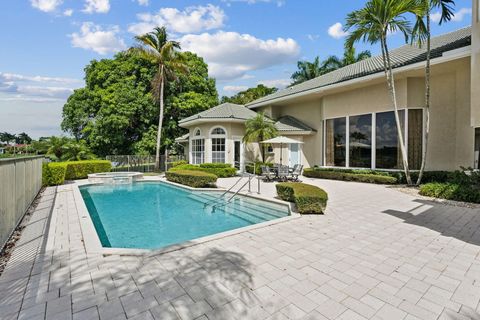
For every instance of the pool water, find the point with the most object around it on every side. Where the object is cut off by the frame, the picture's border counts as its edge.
(149, 215)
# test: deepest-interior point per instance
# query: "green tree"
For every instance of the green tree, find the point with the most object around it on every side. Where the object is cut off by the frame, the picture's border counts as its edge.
(349, 57)
(23, 138)
(56, 147)
(76, 150)
(422, 34)
(307, 71)
(157, 47)
(258, 129)
(249, 95)
(114, 113)
(7, 137)
(372, 24)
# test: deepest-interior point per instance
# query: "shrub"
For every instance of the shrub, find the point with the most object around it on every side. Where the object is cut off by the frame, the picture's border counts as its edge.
(350, 176)
(308, 198)
(53, 174)
(221, 170)
(195, 179)
(178, 163)
(451, 191)
(258, 167)
(81, 169)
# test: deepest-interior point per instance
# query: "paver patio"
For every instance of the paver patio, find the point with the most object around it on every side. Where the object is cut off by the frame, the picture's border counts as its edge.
(376, 254)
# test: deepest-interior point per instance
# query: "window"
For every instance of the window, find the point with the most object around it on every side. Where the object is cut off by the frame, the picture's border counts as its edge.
(198, 151)
(218, 150)
(197, 133)
(335, 140)
(415, 138)
(218, 131)
(360, 131)
(388, 154)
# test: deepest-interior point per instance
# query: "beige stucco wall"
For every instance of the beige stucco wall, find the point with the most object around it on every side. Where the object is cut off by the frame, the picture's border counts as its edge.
(451, 135)
(475, 74)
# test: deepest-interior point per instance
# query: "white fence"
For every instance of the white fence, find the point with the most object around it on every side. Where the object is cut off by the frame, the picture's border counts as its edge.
(20, 182)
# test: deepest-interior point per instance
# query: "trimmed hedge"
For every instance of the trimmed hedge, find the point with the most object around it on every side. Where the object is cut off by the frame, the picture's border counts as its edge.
(178, 163)
(55, 173)
(81, 169)
(308, 198)
(451, 191)
(258, 167)
(191, 178)
(221, 170)
(349, 176)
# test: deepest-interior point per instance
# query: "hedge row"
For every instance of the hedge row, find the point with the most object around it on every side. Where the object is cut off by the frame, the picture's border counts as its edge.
(308, 198)
(191, 178)
(451, 191)
(349, 176)
(55, 173)
(221, 170)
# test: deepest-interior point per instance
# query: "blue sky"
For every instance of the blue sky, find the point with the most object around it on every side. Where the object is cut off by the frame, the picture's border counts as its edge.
(47, 43)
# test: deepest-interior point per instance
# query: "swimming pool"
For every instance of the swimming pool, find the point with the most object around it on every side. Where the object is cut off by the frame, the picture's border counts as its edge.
(151, 215)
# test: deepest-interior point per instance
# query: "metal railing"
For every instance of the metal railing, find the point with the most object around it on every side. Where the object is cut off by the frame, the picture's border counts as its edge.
(20, 182)
(141, 163)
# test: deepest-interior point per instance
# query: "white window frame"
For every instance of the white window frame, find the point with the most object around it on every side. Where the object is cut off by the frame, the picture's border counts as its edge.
(218, 136)
(193, 139)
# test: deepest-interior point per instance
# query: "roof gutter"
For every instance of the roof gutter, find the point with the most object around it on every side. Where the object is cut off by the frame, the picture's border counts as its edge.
(446, 57)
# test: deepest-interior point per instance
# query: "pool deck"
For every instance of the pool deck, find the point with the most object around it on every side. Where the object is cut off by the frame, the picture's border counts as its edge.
(377, 253)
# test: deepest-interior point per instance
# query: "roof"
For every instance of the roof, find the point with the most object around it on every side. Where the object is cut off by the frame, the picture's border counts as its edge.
(405, 55)
(289, 123)
(182, 138)
(223, 111)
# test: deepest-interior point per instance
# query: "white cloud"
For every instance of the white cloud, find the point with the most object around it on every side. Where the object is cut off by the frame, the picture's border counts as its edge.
(68, 12)
(46, 5)
(231, 55)
(36, 88)
(93, 37)
(143, 2)
(234, 89)
(98, 6)
(276, 83)
(313, 37)
(191, 20)
(279, 3)
(336, 31)
(457, 17)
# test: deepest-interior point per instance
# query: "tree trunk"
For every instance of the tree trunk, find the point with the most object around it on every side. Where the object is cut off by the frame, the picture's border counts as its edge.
(391, 88)
(427, 101)
(160, 120)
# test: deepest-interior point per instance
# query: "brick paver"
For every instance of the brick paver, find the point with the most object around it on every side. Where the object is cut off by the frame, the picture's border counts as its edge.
(376, 254)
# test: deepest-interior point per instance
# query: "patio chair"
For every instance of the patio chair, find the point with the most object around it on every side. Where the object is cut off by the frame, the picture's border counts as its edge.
(267, 173)
(297, 171)
(282, 172)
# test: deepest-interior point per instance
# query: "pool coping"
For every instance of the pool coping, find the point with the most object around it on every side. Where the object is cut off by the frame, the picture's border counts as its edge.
(92, 241)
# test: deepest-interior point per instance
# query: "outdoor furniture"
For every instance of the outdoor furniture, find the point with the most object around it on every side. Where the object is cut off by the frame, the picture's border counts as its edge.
(268, 174)
(282, 173)
(297, 171)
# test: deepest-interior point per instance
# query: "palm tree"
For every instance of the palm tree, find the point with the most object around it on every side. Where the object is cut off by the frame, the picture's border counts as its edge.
(258, 129)
(307, 71)
(349, 57)
(157, 47)
(421, 33)
(372, 24)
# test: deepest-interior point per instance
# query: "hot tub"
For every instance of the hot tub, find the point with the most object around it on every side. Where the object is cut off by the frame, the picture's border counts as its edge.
(115, 177)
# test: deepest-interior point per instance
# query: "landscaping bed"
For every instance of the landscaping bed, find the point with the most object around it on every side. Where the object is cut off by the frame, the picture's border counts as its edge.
(308, 199)
(191, 178)
(55, 173)
(221, 170)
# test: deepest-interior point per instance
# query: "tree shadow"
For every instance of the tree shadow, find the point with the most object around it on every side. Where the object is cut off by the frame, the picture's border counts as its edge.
(457, 222)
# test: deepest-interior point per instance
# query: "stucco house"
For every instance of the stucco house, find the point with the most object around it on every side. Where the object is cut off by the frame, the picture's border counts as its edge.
(345, 119)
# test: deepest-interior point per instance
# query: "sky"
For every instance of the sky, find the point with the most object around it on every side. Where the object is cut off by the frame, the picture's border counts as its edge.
(47, 43)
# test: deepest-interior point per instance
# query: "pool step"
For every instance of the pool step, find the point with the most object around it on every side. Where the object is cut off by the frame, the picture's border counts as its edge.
(241, 208)
(272, 211)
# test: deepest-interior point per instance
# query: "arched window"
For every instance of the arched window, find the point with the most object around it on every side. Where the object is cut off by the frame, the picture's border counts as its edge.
(218, 131)
(198, 148)
(218, 145)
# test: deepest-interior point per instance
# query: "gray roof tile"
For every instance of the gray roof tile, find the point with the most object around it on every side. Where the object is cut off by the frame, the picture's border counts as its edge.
(289, 123)
(402, 56)
(223, 111)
